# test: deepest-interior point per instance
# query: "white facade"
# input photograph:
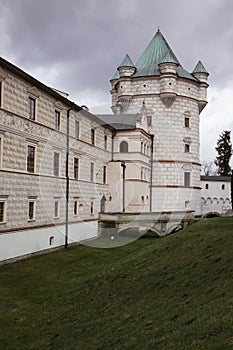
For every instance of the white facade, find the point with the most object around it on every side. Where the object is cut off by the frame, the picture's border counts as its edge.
(33, 171)
(173, 101)
(216, 195)
(144, 158)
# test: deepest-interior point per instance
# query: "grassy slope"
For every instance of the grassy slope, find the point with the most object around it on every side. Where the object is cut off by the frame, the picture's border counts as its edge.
(168, 293)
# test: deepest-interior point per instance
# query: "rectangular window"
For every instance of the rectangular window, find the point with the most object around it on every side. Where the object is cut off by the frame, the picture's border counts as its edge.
(187, 177)
(76, 168)
(206, 186)
(75, 207)
(104, 174)
(92, 207)
(187, 148)
(31, 210)
(2, 211)
(57, 120)
(31, 159)
(56, 164)
(92, 136)
(149, 120)
(56, 209)
(187, 122)
(0, 94)
(105, 141)
(31, 108)
(77, 129)
(92, 172)
(0, 151)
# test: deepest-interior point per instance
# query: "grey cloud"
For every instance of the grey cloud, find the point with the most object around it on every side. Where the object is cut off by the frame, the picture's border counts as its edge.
(85, 40)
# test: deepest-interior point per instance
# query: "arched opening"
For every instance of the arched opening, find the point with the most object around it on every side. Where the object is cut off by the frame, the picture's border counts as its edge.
(124, 147)
(102, 204)
(211, 215)
(51, 240)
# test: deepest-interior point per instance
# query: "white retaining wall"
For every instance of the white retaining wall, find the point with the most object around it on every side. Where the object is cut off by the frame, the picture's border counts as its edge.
(19, 243)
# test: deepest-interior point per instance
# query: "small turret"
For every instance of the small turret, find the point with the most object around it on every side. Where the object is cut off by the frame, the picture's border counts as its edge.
(126, 68)
(200, 72)
(168, 77)
(168, 64)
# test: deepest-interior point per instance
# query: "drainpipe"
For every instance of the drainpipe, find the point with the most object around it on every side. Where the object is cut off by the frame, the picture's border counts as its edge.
(123, 194)
(67, 175)
(151, 170)
(113, 135)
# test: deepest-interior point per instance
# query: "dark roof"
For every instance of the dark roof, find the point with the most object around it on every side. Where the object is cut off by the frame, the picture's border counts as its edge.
(119, 121)
(216, 178)
(51, 91)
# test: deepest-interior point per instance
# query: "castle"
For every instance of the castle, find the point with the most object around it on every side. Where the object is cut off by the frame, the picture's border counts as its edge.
(60, 165)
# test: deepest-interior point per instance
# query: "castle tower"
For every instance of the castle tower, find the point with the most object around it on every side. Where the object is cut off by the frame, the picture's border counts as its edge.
(173, 100)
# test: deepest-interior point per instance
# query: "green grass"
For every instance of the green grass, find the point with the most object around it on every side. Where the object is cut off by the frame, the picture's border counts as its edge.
(169, 293)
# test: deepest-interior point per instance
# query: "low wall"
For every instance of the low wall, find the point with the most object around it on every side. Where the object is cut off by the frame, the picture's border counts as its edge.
(162, 223)
(19, 243)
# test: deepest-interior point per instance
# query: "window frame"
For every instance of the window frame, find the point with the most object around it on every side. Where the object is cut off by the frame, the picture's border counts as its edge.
(3, 200)
(104, 174)
(187, 123)
(32, 111)
(32, 201)
(187, 147)
(57, 120)
(93, 136)
(1, 94)
(1, 149)
(187, 179)
(76, 207)
(76, 168)
(105, 142)
(149, 120)
(92, 172)
(28, 160)
(124, 147)
(77, 129)
(56, 211)
(92, 210)
(56, 165)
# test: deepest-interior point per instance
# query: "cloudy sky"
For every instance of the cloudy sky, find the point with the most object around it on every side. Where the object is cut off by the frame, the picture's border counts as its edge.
(76, 45)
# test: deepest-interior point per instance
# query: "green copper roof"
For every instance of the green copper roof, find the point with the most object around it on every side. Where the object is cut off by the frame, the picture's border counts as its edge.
(199, 68)
(127, 62)
(158, 51)
(116, 76)
(168, 58)
(155, 51)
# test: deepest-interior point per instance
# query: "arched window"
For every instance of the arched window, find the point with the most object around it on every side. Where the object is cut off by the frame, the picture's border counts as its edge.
(51, 240)
(123, 147)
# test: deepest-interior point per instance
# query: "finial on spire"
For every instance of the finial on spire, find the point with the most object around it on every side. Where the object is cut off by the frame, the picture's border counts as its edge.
(158, 29)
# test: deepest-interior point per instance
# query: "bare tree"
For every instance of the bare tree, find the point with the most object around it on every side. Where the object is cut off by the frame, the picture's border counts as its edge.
(208, 168)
